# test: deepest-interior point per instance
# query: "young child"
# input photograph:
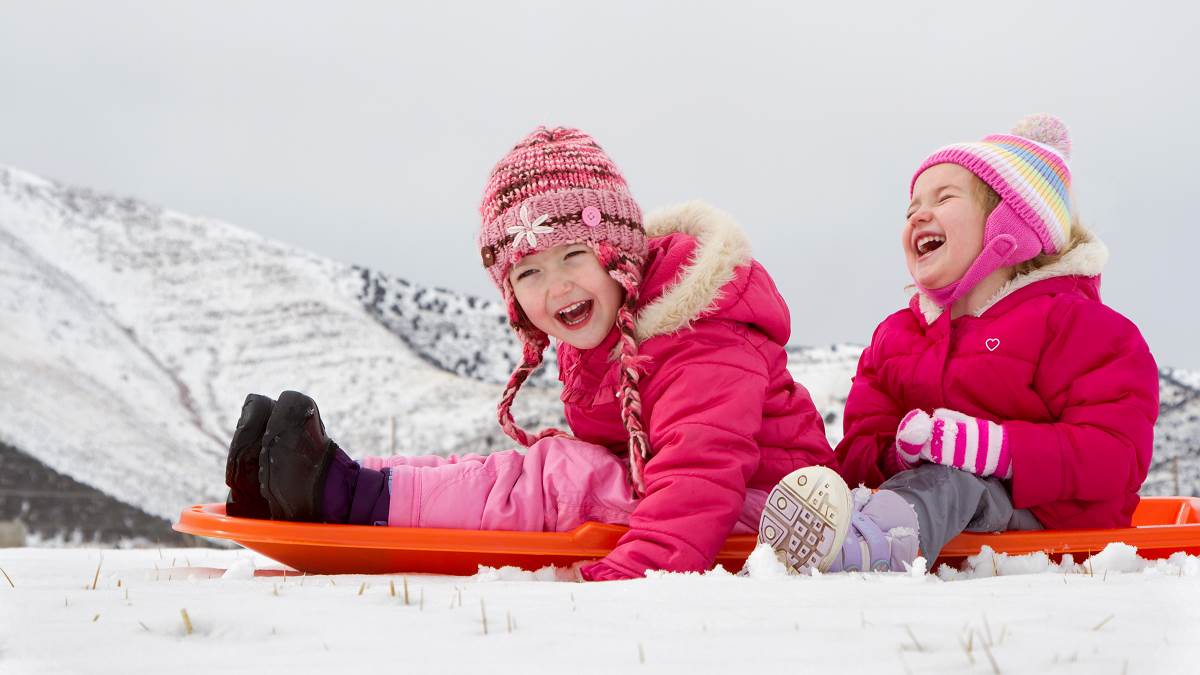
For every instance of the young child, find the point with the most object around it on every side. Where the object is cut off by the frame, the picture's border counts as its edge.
(1007, 395)
(671, 353)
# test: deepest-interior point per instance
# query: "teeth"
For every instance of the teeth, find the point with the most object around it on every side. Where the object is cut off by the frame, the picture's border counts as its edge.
(571, 308)
(564, 314)
(927, 239)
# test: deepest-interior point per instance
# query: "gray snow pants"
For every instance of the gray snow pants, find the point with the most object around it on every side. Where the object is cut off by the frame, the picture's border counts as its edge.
(949, 501)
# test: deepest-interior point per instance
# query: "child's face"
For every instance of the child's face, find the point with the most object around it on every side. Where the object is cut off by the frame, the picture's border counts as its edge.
(943, 232)
(567, 293)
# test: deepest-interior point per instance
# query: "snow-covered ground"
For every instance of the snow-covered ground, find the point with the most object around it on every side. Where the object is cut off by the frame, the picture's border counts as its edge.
(122, 611)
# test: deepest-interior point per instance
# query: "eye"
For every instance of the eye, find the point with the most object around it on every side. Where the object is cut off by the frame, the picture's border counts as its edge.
(944, 198)
(576, 252)
(525, 273)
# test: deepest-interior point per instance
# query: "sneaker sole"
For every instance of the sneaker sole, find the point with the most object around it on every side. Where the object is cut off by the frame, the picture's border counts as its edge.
(806, 518)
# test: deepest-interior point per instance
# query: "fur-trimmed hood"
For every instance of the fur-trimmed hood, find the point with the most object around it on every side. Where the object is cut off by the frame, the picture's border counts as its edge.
(1085, 260)
(682, 290)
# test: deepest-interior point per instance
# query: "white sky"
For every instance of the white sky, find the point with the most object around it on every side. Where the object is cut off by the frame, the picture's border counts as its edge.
(365, 131)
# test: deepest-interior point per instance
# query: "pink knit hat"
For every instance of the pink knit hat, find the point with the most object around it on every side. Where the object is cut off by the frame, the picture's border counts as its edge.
(557, 186)
(1028, 170)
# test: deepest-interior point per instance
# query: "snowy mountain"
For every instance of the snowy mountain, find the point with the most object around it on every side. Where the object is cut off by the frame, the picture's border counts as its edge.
(129, 335)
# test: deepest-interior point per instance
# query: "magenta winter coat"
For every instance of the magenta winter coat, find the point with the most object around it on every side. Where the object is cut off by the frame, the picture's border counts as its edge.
(721, 409)
(1071, 380)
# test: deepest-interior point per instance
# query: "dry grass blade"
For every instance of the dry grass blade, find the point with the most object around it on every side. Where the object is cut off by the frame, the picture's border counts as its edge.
(144, 626)
(8, 578)
(95, 618)
(96, 578)
(641, 654)
(406, 592)
(392, 588)
(991, 659)
(362, 587)
(187, 622)
(913, 636)
(483, 614)
(1106, 620)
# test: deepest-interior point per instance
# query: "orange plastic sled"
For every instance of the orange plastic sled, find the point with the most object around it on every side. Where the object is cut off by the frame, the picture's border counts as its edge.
(1161, 526)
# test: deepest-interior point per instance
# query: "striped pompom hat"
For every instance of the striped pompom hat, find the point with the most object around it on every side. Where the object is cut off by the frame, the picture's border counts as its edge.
(1028, 170)
(556, 187)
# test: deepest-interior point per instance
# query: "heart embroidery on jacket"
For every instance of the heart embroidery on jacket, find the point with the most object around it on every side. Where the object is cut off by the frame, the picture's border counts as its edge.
(992, 344)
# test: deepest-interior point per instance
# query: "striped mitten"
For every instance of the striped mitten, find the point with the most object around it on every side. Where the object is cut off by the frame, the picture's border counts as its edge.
(911, 436)
(954, 439)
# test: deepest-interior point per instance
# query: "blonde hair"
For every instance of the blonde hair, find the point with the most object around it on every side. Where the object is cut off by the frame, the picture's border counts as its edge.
(988, 199)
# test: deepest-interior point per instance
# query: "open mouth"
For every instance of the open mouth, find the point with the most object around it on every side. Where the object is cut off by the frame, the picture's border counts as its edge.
(575, 315)
(928, 244)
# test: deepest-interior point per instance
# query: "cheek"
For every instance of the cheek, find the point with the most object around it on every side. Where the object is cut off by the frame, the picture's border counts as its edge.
(526, 299)
(970, 238)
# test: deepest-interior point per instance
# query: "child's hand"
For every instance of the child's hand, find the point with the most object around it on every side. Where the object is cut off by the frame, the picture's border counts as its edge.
(912, 438)
(955, 439)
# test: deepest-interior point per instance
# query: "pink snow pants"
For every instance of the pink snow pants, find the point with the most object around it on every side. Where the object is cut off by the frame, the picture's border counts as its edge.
(554, 486)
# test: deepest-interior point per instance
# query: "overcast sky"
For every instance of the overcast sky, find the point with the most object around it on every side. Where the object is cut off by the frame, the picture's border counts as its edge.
(365, 131)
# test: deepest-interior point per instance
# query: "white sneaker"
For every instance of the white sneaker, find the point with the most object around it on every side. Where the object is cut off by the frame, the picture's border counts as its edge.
(806, 518)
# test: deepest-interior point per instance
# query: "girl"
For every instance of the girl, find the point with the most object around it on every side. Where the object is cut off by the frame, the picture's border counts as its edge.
(671, 353)
(1007, 395)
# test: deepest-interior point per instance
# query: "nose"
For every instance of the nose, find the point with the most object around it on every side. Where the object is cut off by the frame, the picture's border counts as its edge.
(560, 284)
(920, 216)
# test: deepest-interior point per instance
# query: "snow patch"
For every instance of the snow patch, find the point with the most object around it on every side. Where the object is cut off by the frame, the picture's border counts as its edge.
(242, 569)
(764, 564)
(1117, 557)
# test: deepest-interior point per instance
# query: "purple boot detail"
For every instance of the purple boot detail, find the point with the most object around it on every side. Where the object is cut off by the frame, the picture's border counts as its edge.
(354, 495)
(882, 536)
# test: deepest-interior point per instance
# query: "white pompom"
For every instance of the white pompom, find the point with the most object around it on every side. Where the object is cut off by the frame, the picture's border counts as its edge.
(1047, 130)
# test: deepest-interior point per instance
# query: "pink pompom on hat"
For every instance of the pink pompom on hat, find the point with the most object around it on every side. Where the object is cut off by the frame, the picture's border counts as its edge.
(1028, 170)
(556, 187)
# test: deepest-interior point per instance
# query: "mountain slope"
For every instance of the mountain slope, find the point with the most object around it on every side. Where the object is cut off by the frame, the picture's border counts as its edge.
(129, 336)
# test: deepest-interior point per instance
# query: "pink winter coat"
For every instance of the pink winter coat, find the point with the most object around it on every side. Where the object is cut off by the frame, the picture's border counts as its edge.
(1071, 380)
(721, 409)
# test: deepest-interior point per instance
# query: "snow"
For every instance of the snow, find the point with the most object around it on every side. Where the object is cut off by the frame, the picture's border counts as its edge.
(1114, 613)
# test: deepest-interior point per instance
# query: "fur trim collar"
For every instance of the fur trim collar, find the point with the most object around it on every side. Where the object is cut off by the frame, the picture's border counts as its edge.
(721, 247)
(1085, 260)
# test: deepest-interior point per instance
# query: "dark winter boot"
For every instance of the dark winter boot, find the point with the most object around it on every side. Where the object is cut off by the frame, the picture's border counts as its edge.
(241, 469)
(295, 459)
